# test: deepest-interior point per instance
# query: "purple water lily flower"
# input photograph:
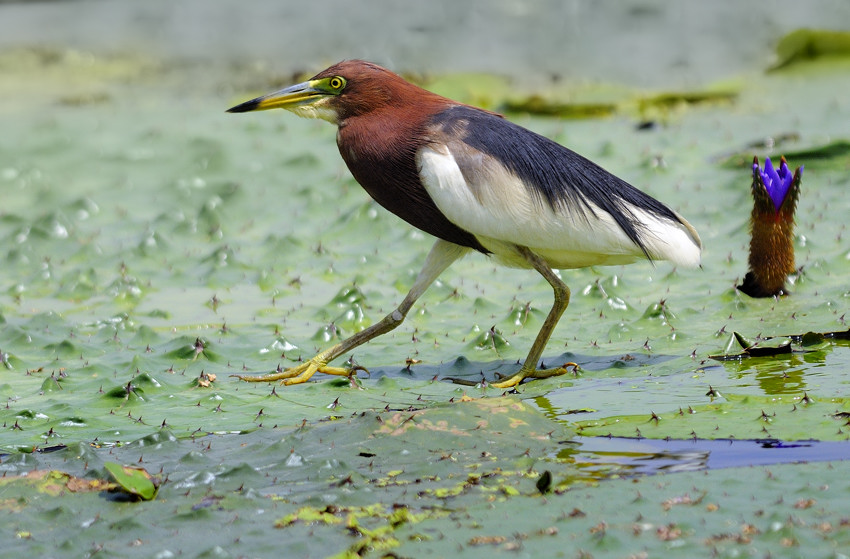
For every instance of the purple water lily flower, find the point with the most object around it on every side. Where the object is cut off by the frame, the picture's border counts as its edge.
(775, 195)
(777, 183)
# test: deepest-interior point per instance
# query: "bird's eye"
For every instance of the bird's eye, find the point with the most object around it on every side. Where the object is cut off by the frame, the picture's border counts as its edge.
(336, 82)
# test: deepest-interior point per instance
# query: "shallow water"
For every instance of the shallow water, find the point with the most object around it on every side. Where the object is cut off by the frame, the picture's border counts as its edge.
(153, 245)
(628, 457)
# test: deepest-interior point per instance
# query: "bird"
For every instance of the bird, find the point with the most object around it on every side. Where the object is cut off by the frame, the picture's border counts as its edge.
(478, 183)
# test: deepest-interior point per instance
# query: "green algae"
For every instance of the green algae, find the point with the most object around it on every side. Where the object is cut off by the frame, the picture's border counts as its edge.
(153, 246)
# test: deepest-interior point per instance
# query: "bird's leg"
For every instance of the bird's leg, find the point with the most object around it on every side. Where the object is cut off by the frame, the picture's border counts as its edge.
(441, 257)
(562, 300)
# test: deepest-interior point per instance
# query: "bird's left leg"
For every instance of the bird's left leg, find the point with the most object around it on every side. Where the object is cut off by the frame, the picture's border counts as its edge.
(562, 300)
(441, 257)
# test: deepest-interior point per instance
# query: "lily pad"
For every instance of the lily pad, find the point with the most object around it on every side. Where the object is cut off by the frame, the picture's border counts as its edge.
(805, 45)
(135, 481)
(833, 155)
(50, 482)
(153, 246)
(539, 106)
(734, 416)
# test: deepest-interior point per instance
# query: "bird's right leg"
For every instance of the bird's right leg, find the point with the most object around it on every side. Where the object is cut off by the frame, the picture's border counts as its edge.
(562, 300)
(442, 254)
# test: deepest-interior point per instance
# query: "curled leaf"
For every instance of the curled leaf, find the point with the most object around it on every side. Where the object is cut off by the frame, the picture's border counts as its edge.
(135, 481)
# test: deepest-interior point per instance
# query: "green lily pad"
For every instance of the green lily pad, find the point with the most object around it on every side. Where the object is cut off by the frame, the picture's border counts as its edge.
(734, 416)
(135, 481)
(805, 45)
(834, 155)
(538, 105)
(152, 246)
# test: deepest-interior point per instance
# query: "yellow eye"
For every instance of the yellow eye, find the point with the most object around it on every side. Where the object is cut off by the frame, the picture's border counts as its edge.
(336, 82)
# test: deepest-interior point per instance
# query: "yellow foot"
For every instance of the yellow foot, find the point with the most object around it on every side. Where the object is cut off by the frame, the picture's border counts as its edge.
(302, 373)
(523, 374)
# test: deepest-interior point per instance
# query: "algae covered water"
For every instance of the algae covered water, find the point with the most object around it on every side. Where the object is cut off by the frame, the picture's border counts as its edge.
(153, 245)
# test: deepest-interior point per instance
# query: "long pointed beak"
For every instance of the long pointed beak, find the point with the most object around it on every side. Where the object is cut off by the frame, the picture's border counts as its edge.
(288, 98)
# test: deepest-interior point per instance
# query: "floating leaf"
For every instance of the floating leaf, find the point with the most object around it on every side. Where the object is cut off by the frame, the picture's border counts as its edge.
(834, 155)
(135, 481)
(53, 482)
(792, 417)
(805, 45)
(671, 100)
(539, 105)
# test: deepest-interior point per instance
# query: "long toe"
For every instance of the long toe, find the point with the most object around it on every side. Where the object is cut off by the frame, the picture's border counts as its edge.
(324, 369)
(523, 374)
(511, 381)
(302, 372)
(555, 371)
(277, 375)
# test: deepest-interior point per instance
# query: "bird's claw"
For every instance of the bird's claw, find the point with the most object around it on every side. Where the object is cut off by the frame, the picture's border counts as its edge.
(301, 373)
(522, 374)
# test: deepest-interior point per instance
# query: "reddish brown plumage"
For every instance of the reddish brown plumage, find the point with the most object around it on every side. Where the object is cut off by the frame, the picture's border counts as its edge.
(382, 120)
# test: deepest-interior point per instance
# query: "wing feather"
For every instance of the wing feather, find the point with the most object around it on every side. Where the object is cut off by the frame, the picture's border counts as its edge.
(535, 196)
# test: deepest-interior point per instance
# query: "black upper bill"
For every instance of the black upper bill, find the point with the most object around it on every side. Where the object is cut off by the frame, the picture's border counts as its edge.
(245, 107)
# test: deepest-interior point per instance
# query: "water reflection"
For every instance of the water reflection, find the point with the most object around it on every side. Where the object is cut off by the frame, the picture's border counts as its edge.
(776, 375)
(602, 457)
(786, 373)
(787, 382)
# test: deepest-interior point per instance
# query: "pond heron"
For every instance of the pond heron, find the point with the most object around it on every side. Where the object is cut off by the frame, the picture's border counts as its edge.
(476, 182)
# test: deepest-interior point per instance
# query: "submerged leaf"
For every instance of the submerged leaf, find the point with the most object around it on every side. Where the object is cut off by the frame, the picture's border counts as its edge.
(53, 482)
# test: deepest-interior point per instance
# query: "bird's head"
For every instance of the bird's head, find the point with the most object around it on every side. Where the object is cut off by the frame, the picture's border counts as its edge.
(347, 89)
